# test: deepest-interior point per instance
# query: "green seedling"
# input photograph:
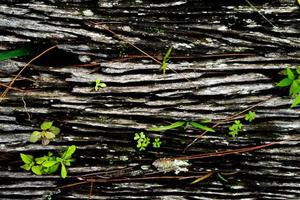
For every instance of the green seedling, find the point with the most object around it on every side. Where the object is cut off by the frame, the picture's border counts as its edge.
(166, 60)
(142, 141)
(250, 116)
(235, 128)
(292, 81)
(48, 133)
(183, 124)
(156, 143)
(49, 164)
(99, 85)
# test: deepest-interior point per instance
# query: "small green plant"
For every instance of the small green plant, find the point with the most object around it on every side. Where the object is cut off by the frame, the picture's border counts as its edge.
(143, 141)
(165, 60)
(235, 128)
(49, 164)
(292, 80)
(99, 85)
(185, 125)
(48, 133)
(156, 143)
(250, 116)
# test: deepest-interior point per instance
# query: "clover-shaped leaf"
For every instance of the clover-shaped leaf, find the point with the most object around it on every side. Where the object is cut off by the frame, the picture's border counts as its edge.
(35, 136)
(46, 125)
(55, 130)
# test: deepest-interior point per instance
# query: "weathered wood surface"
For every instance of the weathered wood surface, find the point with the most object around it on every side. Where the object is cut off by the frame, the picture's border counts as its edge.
(228, 51)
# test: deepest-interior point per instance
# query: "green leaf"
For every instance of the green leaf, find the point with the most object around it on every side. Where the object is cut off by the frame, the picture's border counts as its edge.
(284, 82)
(67, 154)
(290, 73)
(36, 170)
(167, 55)
(165, 128)
(294, 89)
(52, 169)
(49, 163)
(35, 136)
(165, 60)
(205, 121)
(63, 172)
(296, 101)
(136, 136)
(46, 125)
(40, 160)
(27, 167)
(298, 70)
(27, 159)
(55, 130)
(5, 55)
(49, 135)
(201, 127)
(103, 85)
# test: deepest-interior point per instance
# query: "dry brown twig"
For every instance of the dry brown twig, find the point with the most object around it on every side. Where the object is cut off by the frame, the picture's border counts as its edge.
(3, 95)
(226, 120)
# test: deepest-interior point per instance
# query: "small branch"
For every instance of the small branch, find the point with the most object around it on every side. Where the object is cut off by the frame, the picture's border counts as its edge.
(20, 72)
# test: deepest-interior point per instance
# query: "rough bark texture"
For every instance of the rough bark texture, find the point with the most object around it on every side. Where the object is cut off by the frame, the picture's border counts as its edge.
(230, 54)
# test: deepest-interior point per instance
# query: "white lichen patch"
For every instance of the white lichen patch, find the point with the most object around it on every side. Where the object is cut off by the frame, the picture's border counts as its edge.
(169, 165)
(182, 46)
(84, 58)
(88, 13)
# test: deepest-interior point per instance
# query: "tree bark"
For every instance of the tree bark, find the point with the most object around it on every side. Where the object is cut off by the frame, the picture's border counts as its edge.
(226, 58)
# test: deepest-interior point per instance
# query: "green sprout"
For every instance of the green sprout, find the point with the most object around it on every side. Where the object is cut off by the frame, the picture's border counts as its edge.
(235, 128)
(142, 141)
(48, 133)
(156, 143)
(99, 85)
(250, 116)
(49, 164)
(292, 80)
(165, 60)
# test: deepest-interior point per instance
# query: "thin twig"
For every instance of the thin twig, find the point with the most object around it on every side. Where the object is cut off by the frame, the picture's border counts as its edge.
(91, 190)
(227, 152)
(12, 88)
(142, 51)
(25, 66)
(229, 118)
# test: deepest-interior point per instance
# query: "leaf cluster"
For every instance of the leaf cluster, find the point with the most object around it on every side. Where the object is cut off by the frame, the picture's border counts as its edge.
(49, 164)
(48, 133)
(235, 128)
(237, 125)
(143, 141)
(292, 81)
(99, 85)
(183, 124)
(250, 116)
